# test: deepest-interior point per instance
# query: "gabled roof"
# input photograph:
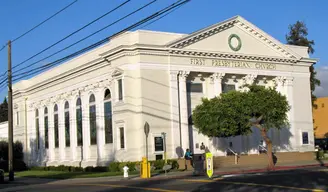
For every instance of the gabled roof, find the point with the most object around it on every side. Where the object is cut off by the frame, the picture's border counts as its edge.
(241, 23)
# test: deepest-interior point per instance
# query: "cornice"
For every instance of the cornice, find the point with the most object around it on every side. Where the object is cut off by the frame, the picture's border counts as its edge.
(221, 55)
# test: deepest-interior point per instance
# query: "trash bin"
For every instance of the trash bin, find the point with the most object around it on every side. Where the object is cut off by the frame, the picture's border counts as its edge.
(198, 161)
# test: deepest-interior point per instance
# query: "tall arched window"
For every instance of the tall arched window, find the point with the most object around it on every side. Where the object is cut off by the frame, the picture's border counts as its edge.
(79, 122)
(108, 117)
(56, 126)
(37, 129)
(67, 134)
(92, 120)
(46, 128)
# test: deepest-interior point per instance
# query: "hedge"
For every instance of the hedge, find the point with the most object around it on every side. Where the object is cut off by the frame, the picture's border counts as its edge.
(112, 167)
(19, 165)
(17, 149)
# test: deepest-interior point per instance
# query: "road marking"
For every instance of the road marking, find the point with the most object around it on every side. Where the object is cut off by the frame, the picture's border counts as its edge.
(203, 180)
(121, 186)
(219, 180)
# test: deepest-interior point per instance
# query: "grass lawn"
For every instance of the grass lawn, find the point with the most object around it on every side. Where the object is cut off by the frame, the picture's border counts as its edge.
(67, 175)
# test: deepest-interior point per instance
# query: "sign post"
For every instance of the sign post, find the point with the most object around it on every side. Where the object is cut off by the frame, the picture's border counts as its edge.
(209, 165)
(146, 130)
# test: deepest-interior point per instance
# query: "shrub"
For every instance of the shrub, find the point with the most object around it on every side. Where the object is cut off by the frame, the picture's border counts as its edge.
(18, 165)
(17, 149)
(114, 167)
(173, 163)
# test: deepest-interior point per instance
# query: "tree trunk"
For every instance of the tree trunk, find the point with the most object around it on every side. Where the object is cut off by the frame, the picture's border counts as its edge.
(269, 148)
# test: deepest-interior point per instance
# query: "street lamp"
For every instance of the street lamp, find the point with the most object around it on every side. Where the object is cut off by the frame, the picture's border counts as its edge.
(164, 142)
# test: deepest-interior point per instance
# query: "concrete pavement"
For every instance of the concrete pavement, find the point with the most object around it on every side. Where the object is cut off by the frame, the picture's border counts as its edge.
(307, 179)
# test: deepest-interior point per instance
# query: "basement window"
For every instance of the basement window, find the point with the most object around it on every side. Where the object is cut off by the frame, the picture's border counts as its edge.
(305, 138)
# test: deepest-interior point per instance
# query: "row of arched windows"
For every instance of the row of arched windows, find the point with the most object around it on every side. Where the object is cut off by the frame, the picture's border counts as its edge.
(79, 120)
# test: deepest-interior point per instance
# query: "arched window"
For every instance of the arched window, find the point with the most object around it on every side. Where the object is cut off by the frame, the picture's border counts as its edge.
(108, 117)
(46, 128)
(79, 122)
(92, 120)
(37, 129)
(67, 134)
(56, 126)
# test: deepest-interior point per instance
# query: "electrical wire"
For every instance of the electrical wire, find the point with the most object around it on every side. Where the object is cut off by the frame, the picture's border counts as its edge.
(157, 14)
(137, 10)
(61, 40)
(38, 25)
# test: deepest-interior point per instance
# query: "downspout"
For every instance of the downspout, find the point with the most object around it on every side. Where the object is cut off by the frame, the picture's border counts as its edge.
(25, 126)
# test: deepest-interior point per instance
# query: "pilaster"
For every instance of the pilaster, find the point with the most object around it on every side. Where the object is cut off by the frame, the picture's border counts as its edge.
(184, 109)
(174, 98)
(99, 95)
(61, 129)
(85, 125)
(73, 131)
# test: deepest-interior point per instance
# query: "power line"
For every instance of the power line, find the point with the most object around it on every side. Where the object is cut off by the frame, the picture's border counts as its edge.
(38, 25)
(98, 43)
(112, 10)
(157, 14)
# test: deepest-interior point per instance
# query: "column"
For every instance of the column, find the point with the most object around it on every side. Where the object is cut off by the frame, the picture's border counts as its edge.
(85, 126)
(292, 131)
(99, 94)
(184, 109)
(279, 82)
(43, 153)
(248, 140)
(51, 133)
(61, 130)
(216, 81)
(72, 126)
(175, 132)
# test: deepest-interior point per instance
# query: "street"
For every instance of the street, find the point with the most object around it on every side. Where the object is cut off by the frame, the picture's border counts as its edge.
(314, 179)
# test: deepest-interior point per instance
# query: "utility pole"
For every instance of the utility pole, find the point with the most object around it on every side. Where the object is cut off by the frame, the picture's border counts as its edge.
(10, 118)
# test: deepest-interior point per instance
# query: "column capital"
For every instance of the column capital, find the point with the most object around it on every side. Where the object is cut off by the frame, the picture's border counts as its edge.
(289, 81)
(279, 80)
(249, 79)
(183, 75)
(217, 77)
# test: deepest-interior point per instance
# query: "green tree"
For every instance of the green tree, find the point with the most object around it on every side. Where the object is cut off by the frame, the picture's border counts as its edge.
(234, 113)
(298, 36)
(4, 111)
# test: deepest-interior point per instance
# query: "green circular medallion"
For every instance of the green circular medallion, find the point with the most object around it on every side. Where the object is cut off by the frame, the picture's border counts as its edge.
(234, 47)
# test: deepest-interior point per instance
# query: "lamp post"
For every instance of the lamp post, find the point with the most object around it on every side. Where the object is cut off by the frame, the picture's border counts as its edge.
(146, 130)
(164, 141)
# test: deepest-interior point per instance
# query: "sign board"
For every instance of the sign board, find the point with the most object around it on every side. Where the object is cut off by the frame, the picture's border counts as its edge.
(209, 164)
(146, 129)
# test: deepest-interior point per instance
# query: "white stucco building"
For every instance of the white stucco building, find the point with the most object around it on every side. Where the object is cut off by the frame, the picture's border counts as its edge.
(92, 109)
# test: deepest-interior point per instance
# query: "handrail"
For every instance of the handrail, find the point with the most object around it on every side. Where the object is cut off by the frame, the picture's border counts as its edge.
(236, 155)
(261, 146)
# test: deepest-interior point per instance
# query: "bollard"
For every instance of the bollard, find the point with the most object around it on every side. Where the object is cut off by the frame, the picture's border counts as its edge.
(125, 171)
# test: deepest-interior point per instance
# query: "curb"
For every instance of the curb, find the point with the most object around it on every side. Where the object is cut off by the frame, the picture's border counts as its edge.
(277, 168)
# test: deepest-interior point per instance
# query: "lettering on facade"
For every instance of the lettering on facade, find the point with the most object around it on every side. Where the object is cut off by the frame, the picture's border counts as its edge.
(232, 64)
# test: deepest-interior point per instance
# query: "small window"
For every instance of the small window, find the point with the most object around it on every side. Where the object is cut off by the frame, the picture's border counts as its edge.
(120, 89)
(228, 87)
(122, 138)
(194, 87)
(322, 105)
(159, 144)
(305, 138)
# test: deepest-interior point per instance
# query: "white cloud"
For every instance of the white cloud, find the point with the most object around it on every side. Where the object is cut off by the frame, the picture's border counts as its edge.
(322, 75)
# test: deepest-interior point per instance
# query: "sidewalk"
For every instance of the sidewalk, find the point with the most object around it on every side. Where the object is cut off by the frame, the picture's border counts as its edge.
(23, 182)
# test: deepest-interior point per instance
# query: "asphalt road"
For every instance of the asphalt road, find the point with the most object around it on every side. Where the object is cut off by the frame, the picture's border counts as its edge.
(315, 179)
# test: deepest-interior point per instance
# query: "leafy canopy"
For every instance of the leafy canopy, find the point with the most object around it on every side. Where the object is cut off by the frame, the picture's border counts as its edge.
(229, 115)
(298, 36)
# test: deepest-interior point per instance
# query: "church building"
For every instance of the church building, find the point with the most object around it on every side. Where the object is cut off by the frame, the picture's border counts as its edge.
(92, 109)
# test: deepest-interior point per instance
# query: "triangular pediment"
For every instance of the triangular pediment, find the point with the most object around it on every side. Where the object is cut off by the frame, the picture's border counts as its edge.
(237, 36)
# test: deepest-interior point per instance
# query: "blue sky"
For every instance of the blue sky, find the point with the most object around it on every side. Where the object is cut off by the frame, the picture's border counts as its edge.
(271, 16)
